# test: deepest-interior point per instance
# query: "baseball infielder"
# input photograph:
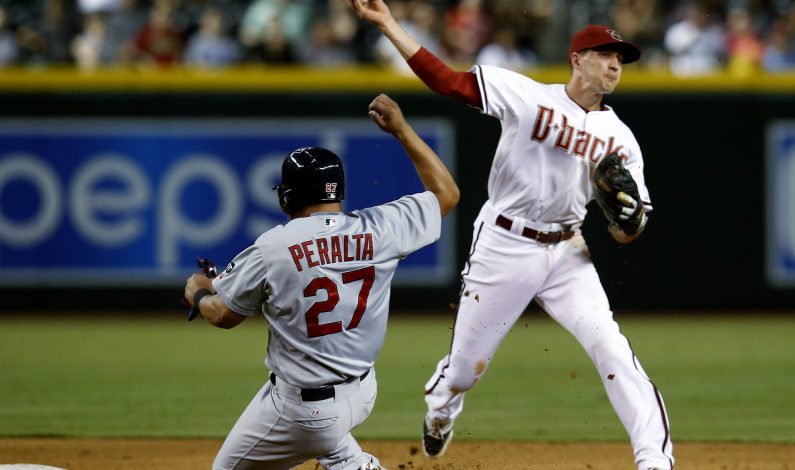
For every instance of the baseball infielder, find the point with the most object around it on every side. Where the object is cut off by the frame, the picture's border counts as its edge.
(527, 242)
(322, 281)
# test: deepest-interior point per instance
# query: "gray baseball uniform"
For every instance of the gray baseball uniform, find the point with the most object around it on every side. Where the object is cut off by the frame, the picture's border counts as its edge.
(323, 283)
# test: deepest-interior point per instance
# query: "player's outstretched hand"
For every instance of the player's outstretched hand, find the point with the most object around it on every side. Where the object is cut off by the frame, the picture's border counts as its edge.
(195, 282)
(387, 114)
(373, 11)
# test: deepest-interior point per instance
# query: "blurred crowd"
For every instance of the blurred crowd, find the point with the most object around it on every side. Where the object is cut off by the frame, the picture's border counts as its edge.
(685, 37)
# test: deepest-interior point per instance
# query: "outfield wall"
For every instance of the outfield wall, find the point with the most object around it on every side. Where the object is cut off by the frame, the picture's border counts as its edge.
(719, 153)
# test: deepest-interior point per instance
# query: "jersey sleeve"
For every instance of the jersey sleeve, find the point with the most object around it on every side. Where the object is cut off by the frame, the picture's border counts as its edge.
(411, 222)
(241, 285)
(442, 79)
(503, 92)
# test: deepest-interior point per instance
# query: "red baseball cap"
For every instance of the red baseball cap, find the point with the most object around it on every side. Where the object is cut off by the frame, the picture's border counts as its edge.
(597, 36)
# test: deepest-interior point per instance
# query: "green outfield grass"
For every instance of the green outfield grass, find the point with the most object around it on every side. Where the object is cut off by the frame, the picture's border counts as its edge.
(723, 378)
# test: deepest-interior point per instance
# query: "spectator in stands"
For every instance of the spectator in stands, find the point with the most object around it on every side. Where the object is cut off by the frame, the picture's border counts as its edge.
(8, 43)
(419, 19)
(323, 48)
(122, 23)
(322, 32)
(504, 51)
(44, 38)
(641, 22)
(290, 18)
(466, 29)
(89, 48)
(331, 36)
(158, 42)
(210, 46)
(88, 7)
(696, 44)
(763, 13)
(745, 48)
(779, 54)
(272, 47)
(549, 24)
(342, 22)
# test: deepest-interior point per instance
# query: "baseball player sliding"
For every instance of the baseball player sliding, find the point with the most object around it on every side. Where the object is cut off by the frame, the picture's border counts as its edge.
(527, 242)
(323, 282)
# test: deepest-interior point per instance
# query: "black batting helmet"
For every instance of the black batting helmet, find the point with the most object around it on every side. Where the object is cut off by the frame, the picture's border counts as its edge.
(310, 175)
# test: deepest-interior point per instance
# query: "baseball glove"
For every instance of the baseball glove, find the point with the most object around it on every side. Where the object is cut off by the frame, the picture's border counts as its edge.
(617, 194)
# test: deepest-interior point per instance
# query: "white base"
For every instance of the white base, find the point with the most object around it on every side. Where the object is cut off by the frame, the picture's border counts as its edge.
(28, 466)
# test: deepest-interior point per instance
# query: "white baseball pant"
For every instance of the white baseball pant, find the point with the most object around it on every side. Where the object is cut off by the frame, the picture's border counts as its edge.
(504, 272)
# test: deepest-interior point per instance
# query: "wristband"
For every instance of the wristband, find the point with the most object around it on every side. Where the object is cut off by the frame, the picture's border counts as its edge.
(197, 297)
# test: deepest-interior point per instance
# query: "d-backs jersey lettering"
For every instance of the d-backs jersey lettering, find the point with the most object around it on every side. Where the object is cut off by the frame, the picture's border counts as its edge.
(541, 169)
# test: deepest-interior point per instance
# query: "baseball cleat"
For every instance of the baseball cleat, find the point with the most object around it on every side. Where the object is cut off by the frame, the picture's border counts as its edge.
(436, 438)
(371, 466)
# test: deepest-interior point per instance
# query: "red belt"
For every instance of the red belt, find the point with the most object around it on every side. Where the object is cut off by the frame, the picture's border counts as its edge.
(543, 237)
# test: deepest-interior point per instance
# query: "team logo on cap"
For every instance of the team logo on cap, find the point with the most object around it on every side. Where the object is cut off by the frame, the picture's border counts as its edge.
(614, 34)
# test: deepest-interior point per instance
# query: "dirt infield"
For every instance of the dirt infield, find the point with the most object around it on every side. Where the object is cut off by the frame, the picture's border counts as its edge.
(192, 454)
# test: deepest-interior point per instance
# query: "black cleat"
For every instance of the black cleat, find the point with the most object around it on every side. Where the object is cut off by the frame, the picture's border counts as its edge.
(436, 439)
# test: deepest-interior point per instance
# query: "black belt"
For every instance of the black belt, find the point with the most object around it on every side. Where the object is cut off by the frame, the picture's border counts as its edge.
(543, 237)
(317, 394)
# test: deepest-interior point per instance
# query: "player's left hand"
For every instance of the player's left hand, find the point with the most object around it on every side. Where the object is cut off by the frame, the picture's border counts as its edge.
(617, 194)
(195, 282)
(387, 114)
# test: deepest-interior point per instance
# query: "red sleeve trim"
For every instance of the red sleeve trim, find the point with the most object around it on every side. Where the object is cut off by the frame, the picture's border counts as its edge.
(462, 86)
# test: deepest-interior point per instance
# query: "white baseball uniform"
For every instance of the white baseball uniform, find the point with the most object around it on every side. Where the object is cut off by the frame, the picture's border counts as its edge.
(323, 283)
(540, 181)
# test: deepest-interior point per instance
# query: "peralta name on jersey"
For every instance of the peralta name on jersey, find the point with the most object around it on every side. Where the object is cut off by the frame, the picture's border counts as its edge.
(335, 249)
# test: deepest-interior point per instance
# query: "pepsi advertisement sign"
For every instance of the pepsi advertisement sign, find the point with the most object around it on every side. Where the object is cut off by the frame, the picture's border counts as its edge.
(134, 201)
